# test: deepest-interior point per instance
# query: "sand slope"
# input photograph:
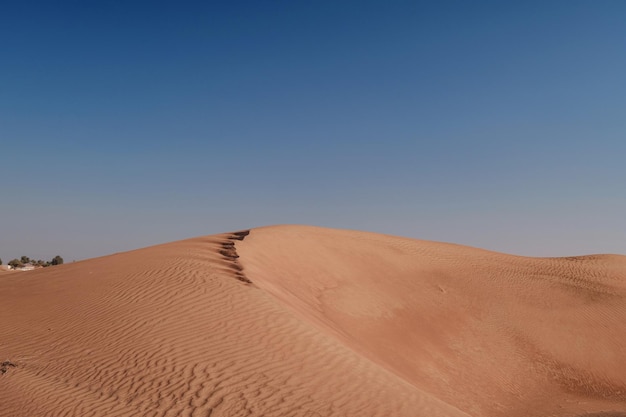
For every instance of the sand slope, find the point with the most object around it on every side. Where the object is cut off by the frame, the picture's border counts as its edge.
(491, 334)
(303, 321)
(175, 330)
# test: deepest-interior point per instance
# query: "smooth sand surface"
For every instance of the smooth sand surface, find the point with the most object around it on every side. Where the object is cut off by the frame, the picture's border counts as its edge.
(304, 321)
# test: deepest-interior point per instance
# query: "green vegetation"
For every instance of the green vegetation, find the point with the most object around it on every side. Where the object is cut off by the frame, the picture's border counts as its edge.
(25, 260)
(15, 263)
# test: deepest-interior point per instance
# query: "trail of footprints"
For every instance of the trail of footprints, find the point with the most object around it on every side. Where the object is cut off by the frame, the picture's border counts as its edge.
(230, 253)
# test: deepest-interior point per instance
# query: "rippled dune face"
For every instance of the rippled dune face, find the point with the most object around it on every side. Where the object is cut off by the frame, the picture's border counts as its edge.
(301, 321)
(178, 329)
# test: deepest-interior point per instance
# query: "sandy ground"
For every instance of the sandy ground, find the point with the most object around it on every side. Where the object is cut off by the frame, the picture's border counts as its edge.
(303, 321)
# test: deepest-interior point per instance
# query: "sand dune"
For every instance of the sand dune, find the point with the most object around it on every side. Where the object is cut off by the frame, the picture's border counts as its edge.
(303, 321)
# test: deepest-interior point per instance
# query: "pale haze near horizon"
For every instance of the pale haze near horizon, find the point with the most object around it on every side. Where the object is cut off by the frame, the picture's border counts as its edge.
(491, 125)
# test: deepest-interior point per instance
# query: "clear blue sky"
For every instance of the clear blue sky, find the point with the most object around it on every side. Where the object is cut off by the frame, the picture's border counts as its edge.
(493, 124)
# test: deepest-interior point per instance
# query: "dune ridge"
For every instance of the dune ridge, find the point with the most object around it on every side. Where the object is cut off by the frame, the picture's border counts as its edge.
(312, 322)
(179, 330)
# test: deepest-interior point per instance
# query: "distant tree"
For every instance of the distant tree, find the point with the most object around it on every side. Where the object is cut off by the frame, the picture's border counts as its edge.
(25, 259)
(15, 263)
(0, 261)
(57, 260)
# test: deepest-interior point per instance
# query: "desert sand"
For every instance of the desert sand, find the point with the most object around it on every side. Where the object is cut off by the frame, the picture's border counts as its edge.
(312, 322)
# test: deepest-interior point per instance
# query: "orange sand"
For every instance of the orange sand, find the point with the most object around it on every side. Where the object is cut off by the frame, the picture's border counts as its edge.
(312, 322)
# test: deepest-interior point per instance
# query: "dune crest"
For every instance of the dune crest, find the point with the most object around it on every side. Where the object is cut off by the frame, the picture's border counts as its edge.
(301, 321)
(178, 330)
